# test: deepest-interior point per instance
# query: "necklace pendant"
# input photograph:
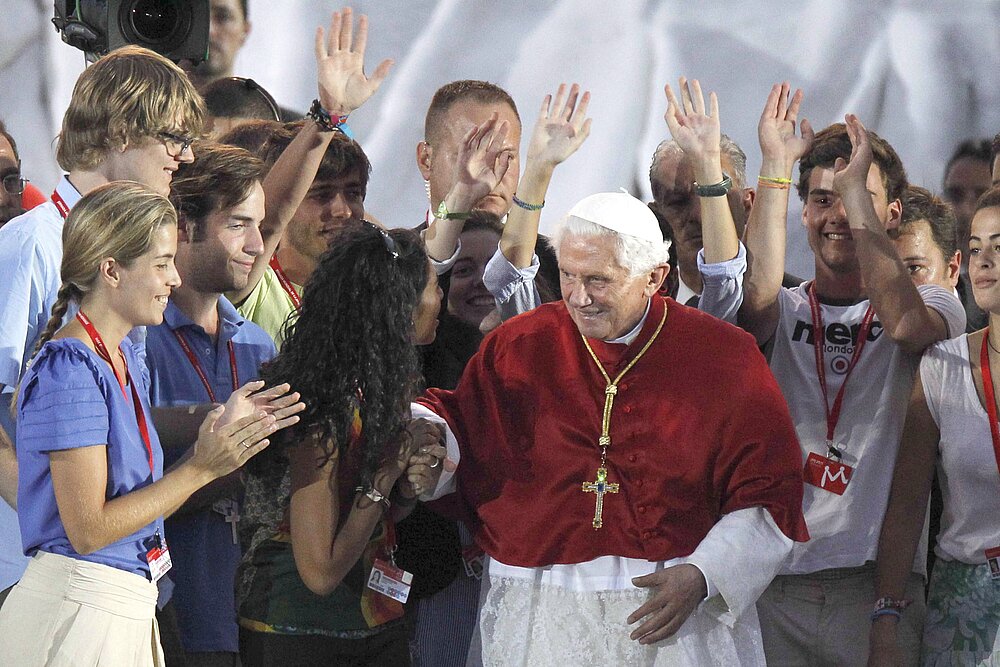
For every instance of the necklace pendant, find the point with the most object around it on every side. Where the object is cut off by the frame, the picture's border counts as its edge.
(599, 487)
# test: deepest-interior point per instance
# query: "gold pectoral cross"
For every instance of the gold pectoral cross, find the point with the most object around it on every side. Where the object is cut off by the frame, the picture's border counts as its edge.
(600, 487)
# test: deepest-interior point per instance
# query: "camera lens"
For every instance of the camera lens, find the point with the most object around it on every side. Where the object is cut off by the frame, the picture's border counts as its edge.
(154, 21)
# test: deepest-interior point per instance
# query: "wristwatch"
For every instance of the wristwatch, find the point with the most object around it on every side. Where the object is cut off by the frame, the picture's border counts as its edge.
(444, 214)
(716, 190)
(375, 496)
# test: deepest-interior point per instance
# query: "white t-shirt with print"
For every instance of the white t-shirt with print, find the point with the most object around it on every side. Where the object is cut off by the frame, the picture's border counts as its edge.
(844, 529)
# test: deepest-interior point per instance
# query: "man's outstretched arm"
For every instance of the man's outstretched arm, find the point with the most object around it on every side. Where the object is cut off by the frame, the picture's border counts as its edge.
(765, 235)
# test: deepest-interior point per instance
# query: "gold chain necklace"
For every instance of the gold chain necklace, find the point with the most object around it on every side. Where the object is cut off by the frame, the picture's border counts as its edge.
(601, 485)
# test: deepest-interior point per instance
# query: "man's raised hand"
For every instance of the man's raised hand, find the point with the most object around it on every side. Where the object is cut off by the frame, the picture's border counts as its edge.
(483, 160)
(340, 60)
(562, 126)
(776, 129)
(853, 174)
(696, 132)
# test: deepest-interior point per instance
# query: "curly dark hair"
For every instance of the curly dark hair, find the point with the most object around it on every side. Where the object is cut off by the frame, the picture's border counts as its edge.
(352, 345)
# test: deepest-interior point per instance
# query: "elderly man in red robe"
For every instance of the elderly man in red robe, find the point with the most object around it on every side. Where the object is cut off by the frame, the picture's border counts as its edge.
(627, 463)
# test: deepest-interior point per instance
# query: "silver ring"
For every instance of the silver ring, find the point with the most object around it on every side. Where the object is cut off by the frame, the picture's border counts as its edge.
(436, 463)
(245, 444)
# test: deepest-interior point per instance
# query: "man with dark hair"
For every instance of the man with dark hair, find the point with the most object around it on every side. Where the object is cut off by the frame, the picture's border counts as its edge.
(925, 239)
(201, 353)
(317, 179)
(334, 195)
(11, 182)
(234, 100)
(966, 177)
(229, 27)
(816, 611)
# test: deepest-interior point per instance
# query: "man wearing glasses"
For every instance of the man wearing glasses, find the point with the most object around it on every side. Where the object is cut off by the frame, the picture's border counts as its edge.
(13, 195)
(131, 117)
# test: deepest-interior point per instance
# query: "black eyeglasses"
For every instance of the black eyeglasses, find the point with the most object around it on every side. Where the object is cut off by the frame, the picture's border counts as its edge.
(14, 184)
(390, 243)
(175, 142)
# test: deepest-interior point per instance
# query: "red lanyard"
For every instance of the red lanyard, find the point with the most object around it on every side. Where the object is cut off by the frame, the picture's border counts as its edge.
(197, 364)
(102, 351)
(833, 414)
(991, 406)
(285, 283)
(60, 204)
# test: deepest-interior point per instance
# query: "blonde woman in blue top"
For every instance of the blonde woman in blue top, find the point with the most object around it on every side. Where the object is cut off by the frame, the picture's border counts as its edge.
(92, 492)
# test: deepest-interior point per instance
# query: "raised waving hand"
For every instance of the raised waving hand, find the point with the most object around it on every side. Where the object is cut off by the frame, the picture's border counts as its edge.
(340, 59)
(561, 128)
(780, 146)
(697, 133)
(853, 174)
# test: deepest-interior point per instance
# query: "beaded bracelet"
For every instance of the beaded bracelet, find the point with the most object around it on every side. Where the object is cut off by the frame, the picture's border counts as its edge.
(329, 122)
(526, 206)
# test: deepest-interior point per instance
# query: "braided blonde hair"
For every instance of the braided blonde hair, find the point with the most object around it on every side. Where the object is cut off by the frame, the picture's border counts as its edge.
(117, 220)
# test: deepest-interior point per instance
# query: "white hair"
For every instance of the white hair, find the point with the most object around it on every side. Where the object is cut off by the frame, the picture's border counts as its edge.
(737, 158)
(636, 255)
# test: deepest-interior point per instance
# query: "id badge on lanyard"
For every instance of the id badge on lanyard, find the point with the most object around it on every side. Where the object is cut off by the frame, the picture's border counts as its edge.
(386, 578)
(829, 472)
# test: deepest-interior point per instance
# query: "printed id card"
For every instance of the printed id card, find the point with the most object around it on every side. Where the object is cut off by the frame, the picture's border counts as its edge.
(827, 474)
(390, 580)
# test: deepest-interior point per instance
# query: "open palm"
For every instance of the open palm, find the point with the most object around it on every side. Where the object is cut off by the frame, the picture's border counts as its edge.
(562, 126)
(340, 60)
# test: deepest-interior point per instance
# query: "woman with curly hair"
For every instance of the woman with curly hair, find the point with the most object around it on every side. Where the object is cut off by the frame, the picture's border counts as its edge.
(320, 506)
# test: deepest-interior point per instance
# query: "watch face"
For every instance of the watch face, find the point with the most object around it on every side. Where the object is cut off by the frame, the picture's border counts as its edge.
(442, 212)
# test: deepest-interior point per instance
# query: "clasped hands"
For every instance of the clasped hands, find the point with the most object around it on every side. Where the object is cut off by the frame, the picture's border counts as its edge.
(422, 457)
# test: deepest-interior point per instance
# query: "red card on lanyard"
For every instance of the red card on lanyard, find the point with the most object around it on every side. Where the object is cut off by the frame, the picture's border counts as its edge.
(826, 472)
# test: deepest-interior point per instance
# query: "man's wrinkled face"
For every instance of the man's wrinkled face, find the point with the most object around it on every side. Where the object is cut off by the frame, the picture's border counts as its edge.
(10, 170)
(677, 203)
(603, 298)
(437, 159)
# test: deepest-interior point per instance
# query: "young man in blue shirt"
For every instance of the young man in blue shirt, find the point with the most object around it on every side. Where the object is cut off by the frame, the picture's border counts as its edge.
(202, 352)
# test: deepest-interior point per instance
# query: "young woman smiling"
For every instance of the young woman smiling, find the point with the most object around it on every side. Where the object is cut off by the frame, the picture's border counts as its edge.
(92, 492)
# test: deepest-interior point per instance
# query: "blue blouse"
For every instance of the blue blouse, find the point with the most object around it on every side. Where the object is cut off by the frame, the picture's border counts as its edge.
(70, 398)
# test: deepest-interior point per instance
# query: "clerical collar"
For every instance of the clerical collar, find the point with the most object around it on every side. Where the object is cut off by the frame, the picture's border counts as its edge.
(684, 293)
(634, 333)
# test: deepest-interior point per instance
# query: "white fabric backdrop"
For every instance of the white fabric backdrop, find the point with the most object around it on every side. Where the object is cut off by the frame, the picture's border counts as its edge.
(924, 74)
